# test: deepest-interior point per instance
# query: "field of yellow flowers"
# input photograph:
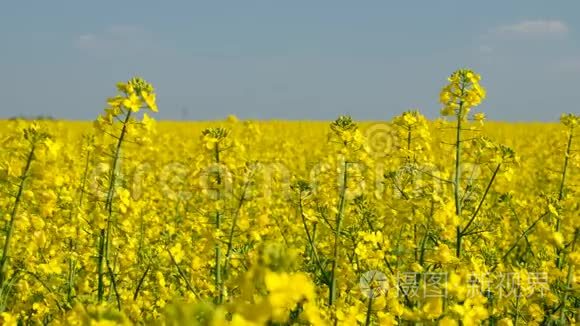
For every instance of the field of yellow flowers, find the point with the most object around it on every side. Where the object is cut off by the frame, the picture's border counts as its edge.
(403, 222)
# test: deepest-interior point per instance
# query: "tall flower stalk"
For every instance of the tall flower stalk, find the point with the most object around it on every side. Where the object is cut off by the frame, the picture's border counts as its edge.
(345, 134)
(117, 121)
(214, 139)
(34, 137)
(88, 148)
(571, 121)
(459, 96)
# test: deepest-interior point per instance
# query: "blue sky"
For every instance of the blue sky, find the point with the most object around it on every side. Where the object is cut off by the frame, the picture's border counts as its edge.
(287, 59)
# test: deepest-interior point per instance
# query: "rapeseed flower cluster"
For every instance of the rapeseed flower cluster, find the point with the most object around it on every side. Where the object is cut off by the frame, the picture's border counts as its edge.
(448, 222)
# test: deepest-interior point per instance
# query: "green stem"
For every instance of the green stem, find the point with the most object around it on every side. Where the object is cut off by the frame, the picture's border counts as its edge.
(517, 307)
(105, 235)
(100, 271)
(335, 255)
(523, 235)
(230, 245)
(72, 244)
(569, 279)
(310, 239)
(369, 308)
(456, 185)
(218, 254)
(566, 162)
(559, 259)
(10, 227)
(114, 284)
(182, 275)
(141, 281)
(466, 228)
